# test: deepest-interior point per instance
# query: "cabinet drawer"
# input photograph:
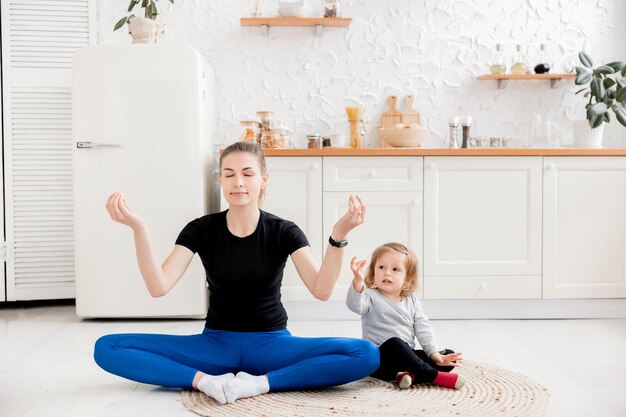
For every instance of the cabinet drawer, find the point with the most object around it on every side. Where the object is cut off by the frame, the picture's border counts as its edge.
(481, 287)
(386, 173)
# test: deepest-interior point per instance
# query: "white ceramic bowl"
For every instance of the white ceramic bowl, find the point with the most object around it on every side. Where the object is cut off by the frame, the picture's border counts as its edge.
(297, 11)
(404, 137)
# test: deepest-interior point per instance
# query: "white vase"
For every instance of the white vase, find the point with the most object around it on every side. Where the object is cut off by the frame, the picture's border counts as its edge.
(146, 30)
(585, 136)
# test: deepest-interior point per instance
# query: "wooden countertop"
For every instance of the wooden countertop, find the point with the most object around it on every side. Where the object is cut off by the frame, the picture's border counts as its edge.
(446, 152)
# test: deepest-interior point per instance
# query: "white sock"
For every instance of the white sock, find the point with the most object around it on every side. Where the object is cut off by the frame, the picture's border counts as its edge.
(213, 386)
(245, 385)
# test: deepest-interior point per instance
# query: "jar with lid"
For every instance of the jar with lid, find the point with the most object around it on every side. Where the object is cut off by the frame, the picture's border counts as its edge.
(251, 132)
(332, 8)
(273, 139)
(314, 141)
(266, 119)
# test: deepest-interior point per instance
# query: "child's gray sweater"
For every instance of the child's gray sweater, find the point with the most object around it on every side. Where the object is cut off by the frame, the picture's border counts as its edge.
(383, 318)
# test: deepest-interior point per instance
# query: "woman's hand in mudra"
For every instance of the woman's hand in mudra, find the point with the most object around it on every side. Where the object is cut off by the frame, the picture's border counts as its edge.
(120, 212)
(353, 217)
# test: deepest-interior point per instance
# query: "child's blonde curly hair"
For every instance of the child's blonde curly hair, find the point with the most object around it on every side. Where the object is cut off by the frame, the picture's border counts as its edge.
(411, 265)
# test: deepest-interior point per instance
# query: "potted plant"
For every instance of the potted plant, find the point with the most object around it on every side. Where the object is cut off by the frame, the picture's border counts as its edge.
(605, 87)
(143, 29)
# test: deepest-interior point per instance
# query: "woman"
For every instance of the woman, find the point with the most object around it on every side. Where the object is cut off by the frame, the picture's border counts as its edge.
(245, 348)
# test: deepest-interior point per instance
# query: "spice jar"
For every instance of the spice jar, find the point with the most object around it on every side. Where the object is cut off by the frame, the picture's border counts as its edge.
(251, 133)
(326, 142)
(272, 139)
(266, 119)
(332, 8)
(314, 141)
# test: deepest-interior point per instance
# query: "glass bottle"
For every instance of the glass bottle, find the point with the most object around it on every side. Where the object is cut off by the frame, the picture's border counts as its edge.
(453, 123)
(542, 67)
(519, 62)
(497, 64)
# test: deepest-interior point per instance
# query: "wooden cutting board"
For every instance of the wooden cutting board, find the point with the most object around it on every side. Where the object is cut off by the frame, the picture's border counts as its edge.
(392, 116)
(409, 116)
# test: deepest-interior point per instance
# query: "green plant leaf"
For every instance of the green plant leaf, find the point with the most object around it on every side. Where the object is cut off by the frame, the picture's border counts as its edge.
(597, 89)
(605, 69)
(608, 82)
(597, 109)
(621, 95)
(621, 83)
(172, 1)
(585, 59)
(587, 94)
(617, 65)
(152, 10)
(624, 72)
(607, 117)
(580, 70)
(611, 94)
(608, 101)
(120, 23)
(620, 115)
(595, 121)
(132, 4)
(583, 78)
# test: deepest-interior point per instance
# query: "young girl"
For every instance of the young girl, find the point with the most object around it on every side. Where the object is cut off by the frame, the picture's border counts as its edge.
(245, 348)
(392, 317)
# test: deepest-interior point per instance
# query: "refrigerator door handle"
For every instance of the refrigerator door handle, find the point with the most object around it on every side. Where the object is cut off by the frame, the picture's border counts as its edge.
(97, 145)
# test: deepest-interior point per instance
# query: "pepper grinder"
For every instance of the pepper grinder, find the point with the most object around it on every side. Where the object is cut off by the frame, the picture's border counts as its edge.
(467, 122)
(453, 123)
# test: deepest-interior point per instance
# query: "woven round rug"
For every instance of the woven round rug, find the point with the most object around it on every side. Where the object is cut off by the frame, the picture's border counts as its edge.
(488, 391)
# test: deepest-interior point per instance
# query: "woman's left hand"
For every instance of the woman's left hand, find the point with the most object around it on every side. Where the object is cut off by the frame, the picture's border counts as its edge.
(353, 217)
(451, 359)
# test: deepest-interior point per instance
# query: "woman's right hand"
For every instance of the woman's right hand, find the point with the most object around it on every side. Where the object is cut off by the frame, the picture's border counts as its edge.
(120, 212)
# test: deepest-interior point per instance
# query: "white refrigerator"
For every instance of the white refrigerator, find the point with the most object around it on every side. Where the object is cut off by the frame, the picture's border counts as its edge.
(142, 125)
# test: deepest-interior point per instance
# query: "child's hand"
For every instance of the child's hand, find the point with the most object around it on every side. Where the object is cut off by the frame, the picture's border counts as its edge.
(357, 265)
(451, 359)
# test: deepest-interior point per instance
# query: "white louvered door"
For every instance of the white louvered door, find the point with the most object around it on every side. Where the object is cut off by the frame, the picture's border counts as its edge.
(39, 40)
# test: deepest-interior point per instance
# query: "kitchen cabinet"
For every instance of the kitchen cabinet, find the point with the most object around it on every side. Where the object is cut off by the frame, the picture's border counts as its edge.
(482, 227)
(294, 192)
(584, 241)
(391, 188)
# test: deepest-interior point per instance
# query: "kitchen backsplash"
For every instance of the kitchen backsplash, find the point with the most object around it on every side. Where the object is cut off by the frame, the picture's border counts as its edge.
(431, 49)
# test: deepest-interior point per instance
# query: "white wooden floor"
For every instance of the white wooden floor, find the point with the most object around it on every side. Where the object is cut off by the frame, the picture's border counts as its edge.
(46, 365)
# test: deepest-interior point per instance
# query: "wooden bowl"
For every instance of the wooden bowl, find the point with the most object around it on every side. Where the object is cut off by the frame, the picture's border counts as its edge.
(406, 137)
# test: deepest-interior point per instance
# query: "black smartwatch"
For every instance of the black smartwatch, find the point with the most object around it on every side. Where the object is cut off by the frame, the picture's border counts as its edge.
(336, 244)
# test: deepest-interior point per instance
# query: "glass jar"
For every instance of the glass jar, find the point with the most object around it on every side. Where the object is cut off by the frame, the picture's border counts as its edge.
(314, 141)
(273, 139)
(251, 132)
(332, 8)
(266, 119)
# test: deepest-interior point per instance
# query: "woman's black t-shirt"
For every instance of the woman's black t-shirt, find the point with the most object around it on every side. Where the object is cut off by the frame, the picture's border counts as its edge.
(244, 273)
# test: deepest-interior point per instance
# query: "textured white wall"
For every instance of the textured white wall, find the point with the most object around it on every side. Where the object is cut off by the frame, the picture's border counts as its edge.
(431, 49)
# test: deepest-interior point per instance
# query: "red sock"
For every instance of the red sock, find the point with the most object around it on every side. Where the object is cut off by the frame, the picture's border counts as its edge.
(449, 380)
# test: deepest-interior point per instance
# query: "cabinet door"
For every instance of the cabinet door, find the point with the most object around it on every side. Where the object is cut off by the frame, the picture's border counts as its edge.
(390, 217)
(294, 192)
(482, 216)
(584, 227)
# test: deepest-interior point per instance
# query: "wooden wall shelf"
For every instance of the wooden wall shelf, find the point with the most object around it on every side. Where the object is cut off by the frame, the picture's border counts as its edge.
(504, 78)
(317, 22)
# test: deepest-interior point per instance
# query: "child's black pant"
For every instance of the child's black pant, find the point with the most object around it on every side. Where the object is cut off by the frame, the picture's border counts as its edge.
(397, 356)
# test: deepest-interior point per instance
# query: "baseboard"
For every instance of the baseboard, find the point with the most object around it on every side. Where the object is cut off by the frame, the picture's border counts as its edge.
(476, 309)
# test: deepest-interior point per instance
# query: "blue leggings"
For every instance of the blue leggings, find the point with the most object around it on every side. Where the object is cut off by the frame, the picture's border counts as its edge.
(289, 362)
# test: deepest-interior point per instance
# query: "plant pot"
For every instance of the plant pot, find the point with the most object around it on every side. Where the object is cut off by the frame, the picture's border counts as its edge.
(585, 136)
(146, 30)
